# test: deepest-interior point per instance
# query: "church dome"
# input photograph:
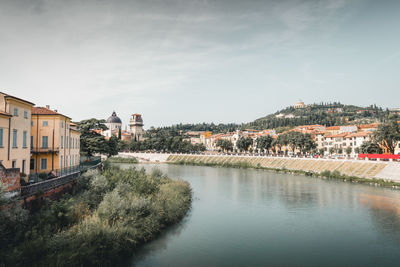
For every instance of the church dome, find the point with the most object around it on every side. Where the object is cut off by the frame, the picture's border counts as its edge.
(114, 118)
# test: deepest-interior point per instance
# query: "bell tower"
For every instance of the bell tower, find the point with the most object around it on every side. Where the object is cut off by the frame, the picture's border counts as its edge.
(136, 126)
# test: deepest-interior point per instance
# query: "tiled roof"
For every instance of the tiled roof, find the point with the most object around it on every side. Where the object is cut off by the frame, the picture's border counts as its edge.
(45, 111)
(333, 128)
(336, 135)
(360, 134)
(10, 96)
(372, 125)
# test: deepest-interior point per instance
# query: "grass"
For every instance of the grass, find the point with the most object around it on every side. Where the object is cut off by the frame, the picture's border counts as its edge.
(122, 160)
(201, 161)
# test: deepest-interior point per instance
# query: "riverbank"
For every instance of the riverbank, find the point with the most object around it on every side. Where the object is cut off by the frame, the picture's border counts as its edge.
(352, 171)
(109, 215)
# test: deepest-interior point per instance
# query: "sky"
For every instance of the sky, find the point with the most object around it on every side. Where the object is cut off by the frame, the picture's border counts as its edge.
(192, 61)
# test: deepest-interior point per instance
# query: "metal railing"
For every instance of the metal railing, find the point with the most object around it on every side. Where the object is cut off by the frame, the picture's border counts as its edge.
(44, 176)
(67, 175)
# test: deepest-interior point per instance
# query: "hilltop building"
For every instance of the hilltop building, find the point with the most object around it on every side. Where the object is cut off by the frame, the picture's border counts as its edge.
(300, 104)
(15, 130)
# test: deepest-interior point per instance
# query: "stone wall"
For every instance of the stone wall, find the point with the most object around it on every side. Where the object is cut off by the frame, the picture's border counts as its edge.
(10, 179)
(359, 168)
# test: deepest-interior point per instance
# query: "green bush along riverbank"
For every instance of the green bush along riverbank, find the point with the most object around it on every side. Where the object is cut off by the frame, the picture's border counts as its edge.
(105, 219)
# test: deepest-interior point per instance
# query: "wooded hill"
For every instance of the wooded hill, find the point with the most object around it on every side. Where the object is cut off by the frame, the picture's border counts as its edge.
(329, 114)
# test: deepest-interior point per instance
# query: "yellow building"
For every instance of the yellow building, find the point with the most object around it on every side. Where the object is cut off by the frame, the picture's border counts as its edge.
(55, 142)
(15, 129)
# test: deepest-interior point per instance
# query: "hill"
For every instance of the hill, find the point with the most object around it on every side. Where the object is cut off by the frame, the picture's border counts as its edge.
(328, 114)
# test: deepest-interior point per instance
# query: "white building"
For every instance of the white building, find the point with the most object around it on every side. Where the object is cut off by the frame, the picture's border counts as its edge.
(114, 124)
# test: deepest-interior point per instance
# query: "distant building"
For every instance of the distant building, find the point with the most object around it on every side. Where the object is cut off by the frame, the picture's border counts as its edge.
(136, 126)
(300, 104)
(114, 125)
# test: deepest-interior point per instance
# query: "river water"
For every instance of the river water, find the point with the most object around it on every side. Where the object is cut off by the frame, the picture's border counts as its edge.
(245, 217)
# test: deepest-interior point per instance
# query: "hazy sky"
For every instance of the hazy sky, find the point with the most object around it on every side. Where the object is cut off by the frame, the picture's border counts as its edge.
(198, 61)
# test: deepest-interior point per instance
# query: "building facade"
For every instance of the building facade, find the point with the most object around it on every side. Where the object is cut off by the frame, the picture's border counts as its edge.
(15, 130)
(55, 143)
(136, 127)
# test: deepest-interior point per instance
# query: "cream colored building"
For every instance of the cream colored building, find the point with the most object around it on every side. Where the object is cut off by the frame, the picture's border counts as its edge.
(15, 130)
(55, 143)
(136, 127)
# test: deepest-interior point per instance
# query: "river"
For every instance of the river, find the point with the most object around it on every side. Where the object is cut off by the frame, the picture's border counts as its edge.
(246, 217)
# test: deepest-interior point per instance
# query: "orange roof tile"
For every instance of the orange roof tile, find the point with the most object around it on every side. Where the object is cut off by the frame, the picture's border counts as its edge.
(333, 128)
(45, 111)
(10, 96)
(360, 134)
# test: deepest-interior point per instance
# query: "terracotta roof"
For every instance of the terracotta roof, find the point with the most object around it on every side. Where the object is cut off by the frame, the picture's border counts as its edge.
(5, 114)
(333, 128)
(45, 111)
(337, 135)
(17, 98)
(360, 134)
(372, 125)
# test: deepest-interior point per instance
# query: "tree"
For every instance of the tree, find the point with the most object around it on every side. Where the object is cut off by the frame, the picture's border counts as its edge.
(225, 145)
(349, 149)
(243, 144)
(387, 136)
(370, 148)
(264, 142)
(112, 146)
(91, 141)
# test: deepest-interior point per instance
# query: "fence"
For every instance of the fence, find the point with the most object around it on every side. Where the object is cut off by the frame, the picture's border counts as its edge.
(67, 176)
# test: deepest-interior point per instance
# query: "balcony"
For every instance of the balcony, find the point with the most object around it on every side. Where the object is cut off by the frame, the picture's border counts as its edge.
(45, 149)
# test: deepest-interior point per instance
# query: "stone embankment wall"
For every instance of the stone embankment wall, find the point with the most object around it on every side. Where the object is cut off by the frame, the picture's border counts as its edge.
(146, 157)
(359, 168)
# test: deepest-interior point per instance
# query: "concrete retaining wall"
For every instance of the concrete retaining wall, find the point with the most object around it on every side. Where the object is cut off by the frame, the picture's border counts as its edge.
(359, 168)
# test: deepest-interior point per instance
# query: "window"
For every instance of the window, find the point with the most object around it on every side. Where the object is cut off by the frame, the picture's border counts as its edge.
(32, 164)
(1, 137)
(14, 138)
(24, 139)
(66, 139)
(14, 164)
(31, 141)
(62, 124)
(67, 126)
(45, 141)
(31, 123)
(43, 164)
(62, 141)
(61, 162)
(45, 123)
(25, 114)
(16, 112)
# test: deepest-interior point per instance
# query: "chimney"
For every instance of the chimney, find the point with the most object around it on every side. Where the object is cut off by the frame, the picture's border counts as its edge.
(56, 110)
(48, 106)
